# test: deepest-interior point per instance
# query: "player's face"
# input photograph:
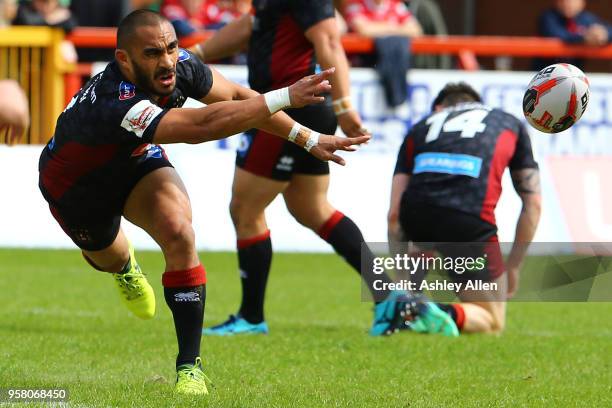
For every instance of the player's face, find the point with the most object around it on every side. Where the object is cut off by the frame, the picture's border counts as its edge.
(153, 59)
(570, 8)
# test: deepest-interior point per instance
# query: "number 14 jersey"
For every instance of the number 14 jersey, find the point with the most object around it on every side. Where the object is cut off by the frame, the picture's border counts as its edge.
(456, 158)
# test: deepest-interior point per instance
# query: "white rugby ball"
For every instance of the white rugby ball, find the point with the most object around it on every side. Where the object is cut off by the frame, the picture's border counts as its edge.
(556, 98)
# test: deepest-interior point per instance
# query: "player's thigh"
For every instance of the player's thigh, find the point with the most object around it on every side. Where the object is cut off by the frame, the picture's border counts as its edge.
(251, 194)
(306, 199)
(160, 205)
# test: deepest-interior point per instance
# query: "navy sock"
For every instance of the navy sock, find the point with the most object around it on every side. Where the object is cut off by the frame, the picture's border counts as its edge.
(346, 239)
(254, 260)
(185, 294)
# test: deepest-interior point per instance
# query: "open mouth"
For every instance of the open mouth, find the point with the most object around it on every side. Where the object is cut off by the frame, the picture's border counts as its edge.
(166, 79)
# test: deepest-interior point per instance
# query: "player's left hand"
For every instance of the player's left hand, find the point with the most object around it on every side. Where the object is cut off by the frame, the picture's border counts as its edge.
(328, 144)
(513, 281)
(350, 123)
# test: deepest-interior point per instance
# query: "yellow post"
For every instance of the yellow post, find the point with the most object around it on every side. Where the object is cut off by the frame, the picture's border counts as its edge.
(32, 56)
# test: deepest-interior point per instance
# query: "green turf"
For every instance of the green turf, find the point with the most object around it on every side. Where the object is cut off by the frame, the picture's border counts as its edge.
(62, 325)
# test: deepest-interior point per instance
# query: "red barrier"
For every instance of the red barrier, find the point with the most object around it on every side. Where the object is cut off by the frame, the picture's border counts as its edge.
(466, 48)
(483, 46)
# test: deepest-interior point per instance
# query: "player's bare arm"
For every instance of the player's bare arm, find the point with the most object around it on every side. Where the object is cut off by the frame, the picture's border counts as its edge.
(527, 185)
(14, 112)
(325, 38)
(398, 186)
(228, 41)
(223, 119)
(281, 124)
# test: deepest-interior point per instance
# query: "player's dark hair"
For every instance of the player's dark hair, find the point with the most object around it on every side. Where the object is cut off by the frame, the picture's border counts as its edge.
(454, 93)
(134, 20)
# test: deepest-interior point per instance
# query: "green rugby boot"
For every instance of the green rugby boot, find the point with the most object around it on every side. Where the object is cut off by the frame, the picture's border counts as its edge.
(191, 380)
(135, 291)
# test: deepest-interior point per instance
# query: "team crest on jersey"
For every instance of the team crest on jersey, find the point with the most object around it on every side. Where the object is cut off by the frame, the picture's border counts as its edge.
(183, 55)
(126, 91)
(148, 151)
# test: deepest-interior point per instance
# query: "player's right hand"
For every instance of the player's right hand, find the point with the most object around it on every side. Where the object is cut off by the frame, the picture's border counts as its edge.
(328, 144)
(350, 123)
(307, 90)
(513, 281)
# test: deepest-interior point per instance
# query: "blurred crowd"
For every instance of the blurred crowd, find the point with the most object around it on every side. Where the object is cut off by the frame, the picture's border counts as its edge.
(566, 19)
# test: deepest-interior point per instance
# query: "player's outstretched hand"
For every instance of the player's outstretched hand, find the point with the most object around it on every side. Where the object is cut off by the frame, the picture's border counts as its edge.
(307, 90)
(328, 144)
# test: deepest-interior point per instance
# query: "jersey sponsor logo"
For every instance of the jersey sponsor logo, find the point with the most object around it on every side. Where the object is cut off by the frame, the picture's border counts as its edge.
(126, 91)
(140, 116)
(448, 163)
(183, 55)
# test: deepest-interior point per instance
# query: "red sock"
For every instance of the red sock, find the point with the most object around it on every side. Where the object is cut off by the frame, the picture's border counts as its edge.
(460, 313)
(189, 277)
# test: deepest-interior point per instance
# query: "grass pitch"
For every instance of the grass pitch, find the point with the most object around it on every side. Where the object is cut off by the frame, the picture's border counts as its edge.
(62, 325)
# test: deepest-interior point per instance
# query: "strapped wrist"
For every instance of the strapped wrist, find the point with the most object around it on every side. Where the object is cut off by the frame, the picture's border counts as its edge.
(303, 137)
(342, 105)
(277, 100)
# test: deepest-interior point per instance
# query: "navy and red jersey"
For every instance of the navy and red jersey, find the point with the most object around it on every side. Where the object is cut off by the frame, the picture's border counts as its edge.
(279, 53)
(456, 158)
(106, 131)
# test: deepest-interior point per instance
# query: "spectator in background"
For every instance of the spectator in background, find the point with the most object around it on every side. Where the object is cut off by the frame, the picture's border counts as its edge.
(391, 25)
(45, 13)
(185, 15)
(381, 18)
(8, 11)
(52, 14)
(188, 16)
(569, 21)
(218, 13)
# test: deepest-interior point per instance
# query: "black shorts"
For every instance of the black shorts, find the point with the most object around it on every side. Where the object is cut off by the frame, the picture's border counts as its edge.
(454, 234)
(91, 222)
(270, 156)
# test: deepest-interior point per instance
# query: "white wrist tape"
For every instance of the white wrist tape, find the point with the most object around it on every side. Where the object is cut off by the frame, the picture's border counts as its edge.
(277, 100)
(313, 140)
(303, 137)
(342, 105)
(294, 132)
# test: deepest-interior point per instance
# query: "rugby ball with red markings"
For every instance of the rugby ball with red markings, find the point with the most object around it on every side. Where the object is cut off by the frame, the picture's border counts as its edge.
(556, 98)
